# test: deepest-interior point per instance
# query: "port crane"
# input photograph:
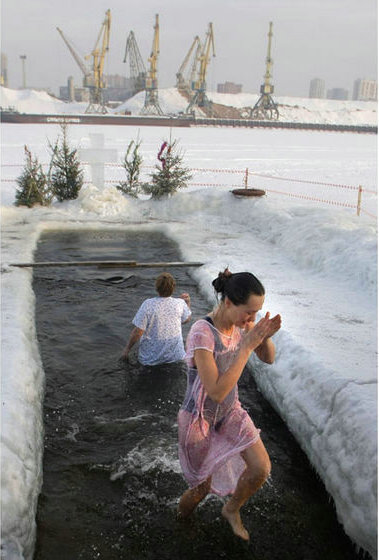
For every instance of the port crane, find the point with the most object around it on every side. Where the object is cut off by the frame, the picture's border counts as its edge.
(151, 106)
(265, 108)
(80, 62)
(199, 99)
(136, 65)
(182, 83)
(93, 78)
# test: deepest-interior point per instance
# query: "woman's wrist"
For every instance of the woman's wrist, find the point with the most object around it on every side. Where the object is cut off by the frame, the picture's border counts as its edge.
(246, 350)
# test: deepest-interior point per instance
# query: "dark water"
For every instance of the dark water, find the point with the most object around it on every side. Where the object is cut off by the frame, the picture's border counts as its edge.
(111, 474)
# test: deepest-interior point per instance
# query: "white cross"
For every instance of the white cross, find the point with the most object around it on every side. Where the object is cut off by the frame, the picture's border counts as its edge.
(96, 156)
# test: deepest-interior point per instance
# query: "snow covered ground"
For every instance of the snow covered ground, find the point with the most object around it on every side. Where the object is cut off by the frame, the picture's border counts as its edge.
(292, 109)
(318, 264)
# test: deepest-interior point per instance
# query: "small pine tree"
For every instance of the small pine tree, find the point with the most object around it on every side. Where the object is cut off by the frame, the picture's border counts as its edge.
(171, 175)
(33, 184)
(66, 176)
(132, 165)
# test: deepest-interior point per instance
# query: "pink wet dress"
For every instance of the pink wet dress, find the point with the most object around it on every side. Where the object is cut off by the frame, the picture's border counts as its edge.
(211, 435)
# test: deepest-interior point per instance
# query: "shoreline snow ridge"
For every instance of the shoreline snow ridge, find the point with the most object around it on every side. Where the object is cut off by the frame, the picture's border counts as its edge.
(291, 109)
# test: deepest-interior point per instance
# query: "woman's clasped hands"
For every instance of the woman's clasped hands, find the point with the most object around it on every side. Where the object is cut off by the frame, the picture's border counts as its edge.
(256, 333)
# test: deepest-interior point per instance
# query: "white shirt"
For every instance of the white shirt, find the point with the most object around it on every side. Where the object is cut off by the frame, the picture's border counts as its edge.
(161, 320)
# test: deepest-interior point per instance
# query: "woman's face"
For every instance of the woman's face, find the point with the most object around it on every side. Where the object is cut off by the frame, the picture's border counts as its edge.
(244, 313)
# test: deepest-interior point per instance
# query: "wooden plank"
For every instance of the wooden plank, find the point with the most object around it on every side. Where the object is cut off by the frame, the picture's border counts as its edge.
(107, 264)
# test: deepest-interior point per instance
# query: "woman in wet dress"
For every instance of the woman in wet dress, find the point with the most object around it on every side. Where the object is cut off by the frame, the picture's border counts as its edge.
(220, 449)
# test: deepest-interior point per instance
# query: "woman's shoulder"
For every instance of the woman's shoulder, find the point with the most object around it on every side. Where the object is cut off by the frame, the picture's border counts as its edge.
(202, 325)
(201, 335)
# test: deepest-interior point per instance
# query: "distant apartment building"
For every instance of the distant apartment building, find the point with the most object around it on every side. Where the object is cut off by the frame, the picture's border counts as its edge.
(317, 89)
(229, 87)
(4, 70)
(365, 90)
(338, 93)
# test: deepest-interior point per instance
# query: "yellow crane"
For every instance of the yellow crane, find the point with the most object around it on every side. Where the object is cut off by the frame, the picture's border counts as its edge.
(151, 106)
(98, 59)
(265, 108)
(93, 74)
(199, 98)
(182, 83)
(80, 62)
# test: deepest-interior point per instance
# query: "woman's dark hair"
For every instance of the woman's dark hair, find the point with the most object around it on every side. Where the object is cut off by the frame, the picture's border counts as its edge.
(238, 287)
(165, 284)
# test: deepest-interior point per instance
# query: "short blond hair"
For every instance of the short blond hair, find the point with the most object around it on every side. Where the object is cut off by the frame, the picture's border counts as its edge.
(165, 284)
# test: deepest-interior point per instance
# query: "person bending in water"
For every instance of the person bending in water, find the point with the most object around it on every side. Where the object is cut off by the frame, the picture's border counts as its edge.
(158, 325)
(220, 449)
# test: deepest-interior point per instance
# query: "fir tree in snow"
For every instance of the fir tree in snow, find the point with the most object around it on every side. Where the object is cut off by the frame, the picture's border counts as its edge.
(33, 184)
(66, 177)
(132, 165)
(171, 175)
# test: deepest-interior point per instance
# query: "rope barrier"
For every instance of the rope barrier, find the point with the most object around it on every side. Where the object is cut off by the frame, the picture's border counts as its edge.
(369, 213)
(304, 181)
(212, 185)
(370, 191)
(334, 202)
(241, 171)
(15, 164)
(202, 169)
(246, 172)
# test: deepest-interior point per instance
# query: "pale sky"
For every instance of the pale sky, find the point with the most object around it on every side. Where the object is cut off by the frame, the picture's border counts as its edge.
(335, 40)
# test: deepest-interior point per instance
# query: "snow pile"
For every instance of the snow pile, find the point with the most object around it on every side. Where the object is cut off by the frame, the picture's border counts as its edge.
(318, 266)
(170, 101)
(32, 101)
(291, 109)
(303, 109)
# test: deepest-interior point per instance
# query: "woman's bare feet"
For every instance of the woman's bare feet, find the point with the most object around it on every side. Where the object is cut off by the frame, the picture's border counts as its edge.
(235, 522)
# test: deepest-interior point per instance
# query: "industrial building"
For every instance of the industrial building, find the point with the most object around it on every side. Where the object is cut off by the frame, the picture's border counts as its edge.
(72, 93)
(229, 87)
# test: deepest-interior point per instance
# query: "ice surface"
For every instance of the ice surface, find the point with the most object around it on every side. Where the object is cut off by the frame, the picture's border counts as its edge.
(318, 265)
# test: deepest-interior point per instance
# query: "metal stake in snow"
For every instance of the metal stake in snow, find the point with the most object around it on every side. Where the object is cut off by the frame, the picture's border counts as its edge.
(96, 156)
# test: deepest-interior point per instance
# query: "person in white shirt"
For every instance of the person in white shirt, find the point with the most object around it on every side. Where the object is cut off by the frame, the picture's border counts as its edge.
(158, 325)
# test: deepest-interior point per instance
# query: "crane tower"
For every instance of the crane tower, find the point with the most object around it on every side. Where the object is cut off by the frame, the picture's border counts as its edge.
(136, 65)
(184, 83)
(265, 108)
(93, 78)
(98, 58)
(151, 106)
(199, 98)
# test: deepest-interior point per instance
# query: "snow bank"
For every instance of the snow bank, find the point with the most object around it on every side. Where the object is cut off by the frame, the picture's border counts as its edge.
(22, 393)
(32, 101)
